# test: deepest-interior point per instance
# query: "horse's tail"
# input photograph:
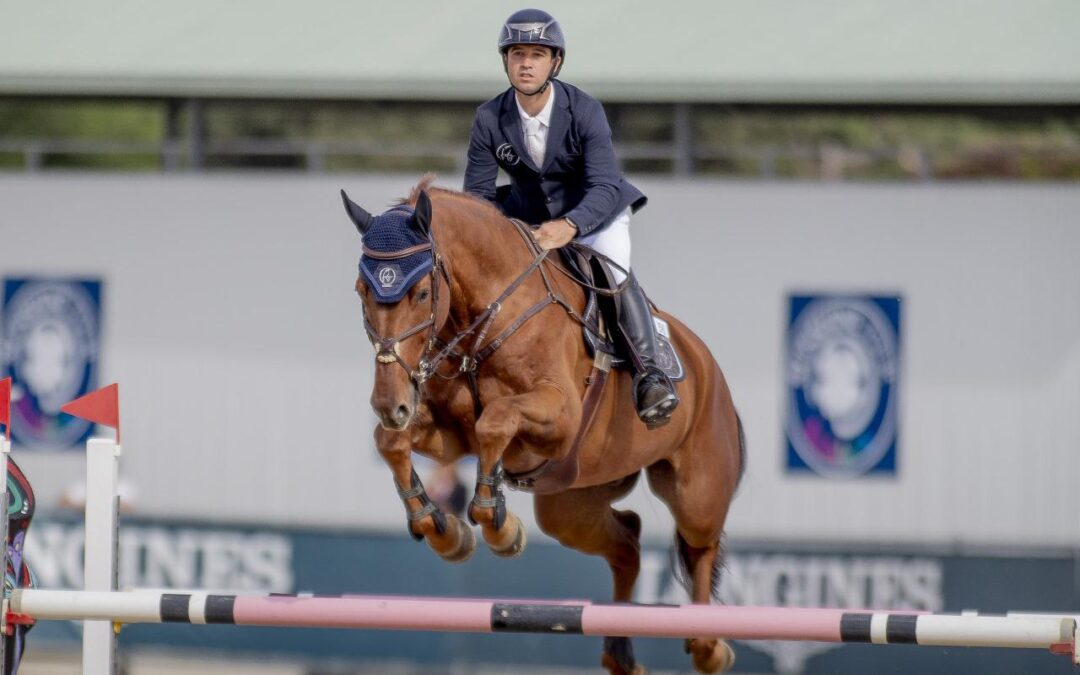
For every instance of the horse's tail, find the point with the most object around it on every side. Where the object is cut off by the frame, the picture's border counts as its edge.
(681, 563)
(742, 450)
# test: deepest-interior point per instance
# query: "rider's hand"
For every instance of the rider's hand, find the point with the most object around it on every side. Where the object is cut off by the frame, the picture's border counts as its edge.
(554, 233)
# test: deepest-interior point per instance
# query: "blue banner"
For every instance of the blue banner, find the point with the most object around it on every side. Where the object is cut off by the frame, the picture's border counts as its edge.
(51, 333)
(842, 376)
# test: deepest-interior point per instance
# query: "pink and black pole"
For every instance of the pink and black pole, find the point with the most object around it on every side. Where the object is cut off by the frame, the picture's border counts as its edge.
(1055, 633)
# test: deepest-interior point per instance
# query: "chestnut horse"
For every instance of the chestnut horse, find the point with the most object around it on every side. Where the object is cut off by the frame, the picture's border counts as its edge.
(521, 404)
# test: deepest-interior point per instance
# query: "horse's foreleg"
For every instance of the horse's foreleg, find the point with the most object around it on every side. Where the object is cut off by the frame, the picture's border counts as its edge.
(539, 414)
(448, 535)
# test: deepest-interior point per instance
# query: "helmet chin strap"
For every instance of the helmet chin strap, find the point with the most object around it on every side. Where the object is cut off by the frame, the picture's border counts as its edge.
(543, 87)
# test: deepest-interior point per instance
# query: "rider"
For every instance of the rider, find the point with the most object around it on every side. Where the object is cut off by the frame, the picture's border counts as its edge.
(554, 142)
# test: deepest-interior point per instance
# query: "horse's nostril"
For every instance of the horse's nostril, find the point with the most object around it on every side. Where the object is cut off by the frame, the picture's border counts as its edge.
(401, 415)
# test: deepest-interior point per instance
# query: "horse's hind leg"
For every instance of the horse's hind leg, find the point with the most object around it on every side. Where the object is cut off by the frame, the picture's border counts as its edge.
(584, 520)
(702, 564)
(699, 504)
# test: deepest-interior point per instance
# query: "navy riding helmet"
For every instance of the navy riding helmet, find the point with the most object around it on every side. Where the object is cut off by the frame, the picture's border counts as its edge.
(533, 27)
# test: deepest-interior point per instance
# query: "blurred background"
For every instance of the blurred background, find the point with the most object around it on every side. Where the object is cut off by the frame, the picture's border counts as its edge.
(169, 219)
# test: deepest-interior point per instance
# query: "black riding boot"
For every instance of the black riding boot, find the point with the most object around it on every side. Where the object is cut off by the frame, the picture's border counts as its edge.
(654, 394)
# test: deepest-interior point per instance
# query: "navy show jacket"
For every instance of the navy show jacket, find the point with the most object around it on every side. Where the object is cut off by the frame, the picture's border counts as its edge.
(580, 178)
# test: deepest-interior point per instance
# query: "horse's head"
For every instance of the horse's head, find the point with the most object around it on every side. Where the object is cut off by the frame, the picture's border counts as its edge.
(399, 287)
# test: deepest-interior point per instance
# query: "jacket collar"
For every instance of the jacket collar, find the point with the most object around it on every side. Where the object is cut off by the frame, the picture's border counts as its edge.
(510, 121)
(559, 124)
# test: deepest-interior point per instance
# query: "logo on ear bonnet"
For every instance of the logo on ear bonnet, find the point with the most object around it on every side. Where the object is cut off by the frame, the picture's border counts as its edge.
(505, 153)
(388, 275)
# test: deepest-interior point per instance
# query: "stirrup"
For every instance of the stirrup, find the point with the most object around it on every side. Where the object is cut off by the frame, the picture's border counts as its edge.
(659, 413)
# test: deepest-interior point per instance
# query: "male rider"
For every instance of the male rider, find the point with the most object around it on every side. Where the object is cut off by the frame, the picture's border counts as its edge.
(554, 142)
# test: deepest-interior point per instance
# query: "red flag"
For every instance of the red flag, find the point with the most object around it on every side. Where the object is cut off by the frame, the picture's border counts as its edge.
(5, 406)
(101, 406)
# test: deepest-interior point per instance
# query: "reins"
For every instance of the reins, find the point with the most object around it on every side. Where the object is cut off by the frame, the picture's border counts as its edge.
(387, 348)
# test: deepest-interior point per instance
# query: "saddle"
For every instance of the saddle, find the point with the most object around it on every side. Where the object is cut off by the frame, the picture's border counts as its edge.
(600, 322)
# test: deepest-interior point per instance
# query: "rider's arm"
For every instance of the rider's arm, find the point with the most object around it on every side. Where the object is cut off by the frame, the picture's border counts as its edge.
(602, 175)
(481, 170)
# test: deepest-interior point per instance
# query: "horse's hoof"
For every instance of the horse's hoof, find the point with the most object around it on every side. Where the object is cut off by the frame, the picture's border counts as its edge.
(466, 541)
(517, 546)
(711, 656)
(618, 657)
(613, 667)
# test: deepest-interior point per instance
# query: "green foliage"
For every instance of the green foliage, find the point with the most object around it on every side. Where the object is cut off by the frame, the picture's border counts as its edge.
(890, 144)
(49, 119)
(738, 141)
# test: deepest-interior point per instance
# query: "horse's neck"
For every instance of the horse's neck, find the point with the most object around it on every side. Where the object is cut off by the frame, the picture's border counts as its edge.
(485, 255)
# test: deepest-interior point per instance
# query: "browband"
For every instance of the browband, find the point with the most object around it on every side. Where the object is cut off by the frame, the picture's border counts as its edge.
(395, 255)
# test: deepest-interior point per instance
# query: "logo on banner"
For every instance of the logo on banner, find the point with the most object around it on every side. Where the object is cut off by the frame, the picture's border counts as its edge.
(899, 583)
(842, 371)
(51, 340)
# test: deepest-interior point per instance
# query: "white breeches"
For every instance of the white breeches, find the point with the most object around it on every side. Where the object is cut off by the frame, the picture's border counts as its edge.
(614, 242)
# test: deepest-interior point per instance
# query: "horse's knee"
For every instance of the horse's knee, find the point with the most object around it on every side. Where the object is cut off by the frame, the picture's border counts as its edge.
(499, 421)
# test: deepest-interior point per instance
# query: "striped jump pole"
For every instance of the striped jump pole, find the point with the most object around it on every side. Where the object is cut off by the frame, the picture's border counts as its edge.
(1055, 633)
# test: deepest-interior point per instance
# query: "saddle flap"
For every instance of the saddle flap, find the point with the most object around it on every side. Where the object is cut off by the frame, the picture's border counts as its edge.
(592, 270)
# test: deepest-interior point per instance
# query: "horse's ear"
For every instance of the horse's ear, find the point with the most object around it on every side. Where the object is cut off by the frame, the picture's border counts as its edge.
(361, 218)
(422, 221)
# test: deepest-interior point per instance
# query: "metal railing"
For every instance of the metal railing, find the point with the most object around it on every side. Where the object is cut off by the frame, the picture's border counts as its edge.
(823, 162)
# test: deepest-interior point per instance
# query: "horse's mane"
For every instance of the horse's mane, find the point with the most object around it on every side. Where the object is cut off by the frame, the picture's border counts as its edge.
(425, 184)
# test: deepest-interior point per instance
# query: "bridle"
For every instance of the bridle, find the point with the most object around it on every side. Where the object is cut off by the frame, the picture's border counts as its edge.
(436, 351)
(386, 349)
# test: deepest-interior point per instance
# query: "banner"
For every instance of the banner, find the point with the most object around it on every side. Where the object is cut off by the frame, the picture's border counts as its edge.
(50, 330)
(842, 374)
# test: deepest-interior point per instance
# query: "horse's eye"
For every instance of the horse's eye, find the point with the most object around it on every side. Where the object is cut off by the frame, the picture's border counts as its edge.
(422, 295)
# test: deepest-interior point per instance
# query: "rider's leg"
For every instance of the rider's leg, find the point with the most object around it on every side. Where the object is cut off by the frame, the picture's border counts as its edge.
(655, 396)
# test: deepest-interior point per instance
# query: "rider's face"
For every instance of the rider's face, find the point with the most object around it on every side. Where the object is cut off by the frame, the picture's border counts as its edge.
(529, 66)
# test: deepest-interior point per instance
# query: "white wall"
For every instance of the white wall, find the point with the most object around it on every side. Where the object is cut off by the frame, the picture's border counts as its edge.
(231, 324)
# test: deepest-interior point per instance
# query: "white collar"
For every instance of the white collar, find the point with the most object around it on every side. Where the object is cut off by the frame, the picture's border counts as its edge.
(545, 114)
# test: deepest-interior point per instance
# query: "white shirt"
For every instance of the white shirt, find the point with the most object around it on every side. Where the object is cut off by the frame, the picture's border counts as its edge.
(535, 129)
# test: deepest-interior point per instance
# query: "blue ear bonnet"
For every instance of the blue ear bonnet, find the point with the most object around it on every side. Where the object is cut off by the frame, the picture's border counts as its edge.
(391, 279)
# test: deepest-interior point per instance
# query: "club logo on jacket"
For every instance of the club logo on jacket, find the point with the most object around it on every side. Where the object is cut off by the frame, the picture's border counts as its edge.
(505, 153)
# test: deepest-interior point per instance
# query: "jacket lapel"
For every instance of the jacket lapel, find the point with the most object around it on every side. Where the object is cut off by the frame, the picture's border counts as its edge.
(510, 124)
(560, 124)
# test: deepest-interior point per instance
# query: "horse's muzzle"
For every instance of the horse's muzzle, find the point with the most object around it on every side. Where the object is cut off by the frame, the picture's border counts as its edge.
(396, 415)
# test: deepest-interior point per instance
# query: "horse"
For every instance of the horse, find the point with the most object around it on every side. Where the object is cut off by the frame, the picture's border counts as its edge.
(444, 271)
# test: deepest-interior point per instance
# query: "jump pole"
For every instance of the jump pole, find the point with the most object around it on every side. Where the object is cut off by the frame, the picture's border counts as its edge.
(1055, 633)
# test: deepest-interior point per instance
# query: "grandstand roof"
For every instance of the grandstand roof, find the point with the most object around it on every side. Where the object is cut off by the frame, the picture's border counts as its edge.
(826, 51)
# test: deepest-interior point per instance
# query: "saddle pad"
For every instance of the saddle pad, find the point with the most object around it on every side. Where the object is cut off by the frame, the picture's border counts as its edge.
(666, 357)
